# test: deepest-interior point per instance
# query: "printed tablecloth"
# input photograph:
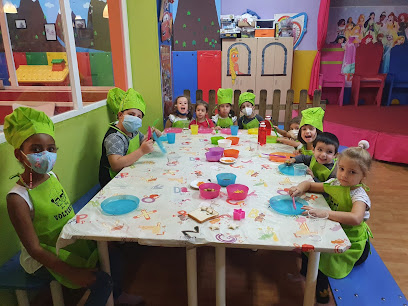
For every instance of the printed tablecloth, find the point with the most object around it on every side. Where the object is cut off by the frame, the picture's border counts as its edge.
(162, 183)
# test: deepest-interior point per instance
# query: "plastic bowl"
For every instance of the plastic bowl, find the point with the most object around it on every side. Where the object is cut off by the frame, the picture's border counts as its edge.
(209, 190)
(271, 139)
(225, 179)
(237, 192)
(224, 143)
(253, 131)
(217, 150)
(214, 140)
(234, 140)
(213, 156)
(231, 153)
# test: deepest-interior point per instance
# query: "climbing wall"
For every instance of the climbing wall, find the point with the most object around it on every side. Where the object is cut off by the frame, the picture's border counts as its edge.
(101, 67)
(184, 73)
(208, 71)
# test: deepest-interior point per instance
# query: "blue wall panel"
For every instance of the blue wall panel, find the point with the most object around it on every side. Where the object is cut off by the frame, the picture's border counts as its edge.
(185, 73)
(3, 69)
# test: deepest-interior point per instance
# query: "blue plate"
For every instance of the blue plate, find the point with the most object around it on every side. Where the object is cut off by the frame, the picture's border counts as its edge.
(159, 143)
(283, 204)
(120, 205)
(287, 169)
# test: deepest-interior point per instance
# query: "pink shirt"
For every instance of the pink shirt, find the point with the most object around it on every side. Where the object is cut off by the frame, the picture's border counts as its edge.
(205, 124)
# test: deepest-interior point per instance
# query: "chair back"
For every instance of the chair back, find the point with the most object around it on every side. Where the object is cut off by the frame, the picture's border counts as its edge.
(368, 59)
(330, 63)
(399, 62)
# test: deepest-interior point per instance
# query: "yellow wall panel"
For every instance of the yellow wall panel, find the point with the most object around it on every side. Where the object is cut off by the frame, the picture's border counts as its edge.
(302, 67)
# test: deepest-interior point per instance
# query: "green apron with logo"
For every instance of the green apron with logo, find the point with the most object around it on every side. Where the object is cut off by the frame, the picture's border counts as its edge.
(253, 124)
(306, 152)
(52, 210)
(224, 122)
(181, 124)
(339, 265)
(321, 171)
(134, 144)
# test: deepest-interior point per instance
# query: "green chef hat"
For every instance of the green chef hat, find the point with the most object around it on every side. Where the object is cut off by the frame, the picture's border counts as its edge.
(119, 100)
(225, 95)
(313, 116)
(25, 122)
(246, 97)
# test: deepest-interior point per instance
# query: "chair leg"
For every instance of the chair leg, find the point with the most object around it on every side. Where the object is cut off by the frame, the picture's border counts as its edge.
(22, 298)
(390, 94)
(379, 94)
(56, 293)
(341, 97)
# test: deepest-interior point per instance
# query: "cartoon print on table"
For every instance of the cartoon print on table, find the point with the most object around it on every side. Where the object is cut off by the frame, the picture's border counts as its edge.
(159, 186)
(117, 227)
(260, 217)
(247, 161)
(286, 181)
(266, 167)
(94, 203)
(311, 197)
(269, 233)
(253, 213)
(186, 233)
(170, 172)
(226, 238)
(239, 203)
(80, 219)
(237, 167)
(150, 199)
(304, 247)
(156, 229)
(218, 219)
(303, 228)
(145, 214)
(180, 180)
(284, 191)
(122, 175)
(194, 159)
(180, 189)
(339, 243)
(182, 215)
(147, 162)
(336, 227)
(260, 183)
(198, 173)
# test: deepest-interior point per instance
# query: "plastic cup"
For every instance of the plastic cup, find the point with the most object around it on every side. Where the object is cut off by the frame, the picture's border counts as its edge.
(171, 137)
(173, 159)
(316, 223)
(299, 169)
(234, 130)
(194, 129)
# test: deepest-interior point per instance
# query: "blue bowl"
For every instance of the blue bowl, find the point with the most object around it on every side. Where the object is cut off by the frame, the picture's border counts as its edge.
(225, 179)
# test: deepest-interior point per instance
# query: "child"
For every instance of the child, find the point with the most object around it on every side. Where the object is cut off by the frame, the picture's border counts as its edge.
(225, 117)
(123, 144)
(182, 114)
(322, 165)
(247, 105)
(38, 208)
(201, 109)
(290, 137)
(350, 206)
(310, 126)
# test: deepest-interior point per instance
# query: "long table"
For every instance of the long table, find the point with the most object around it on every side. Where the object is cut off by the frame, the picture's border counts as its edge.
(162, 183)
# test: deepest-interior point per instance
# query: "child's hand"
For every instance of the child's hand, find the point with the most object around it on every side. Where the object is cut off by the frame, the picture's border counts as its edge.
(320, 213)
(82, 277)
(146, 146)
(310, 172)
(290, 161)
(296, 152)
(296, 191)
(217, 128)
(156, 131)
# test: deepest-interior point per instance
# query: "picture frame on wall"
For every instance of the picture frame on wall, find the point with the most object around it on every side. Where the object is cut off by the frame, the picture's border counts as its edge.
(21, 24)
(50, 32)
(80, 24)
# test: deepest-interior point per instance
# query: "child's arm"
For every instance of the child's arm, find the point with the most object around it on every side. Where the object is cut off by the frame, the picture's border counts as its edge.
(19, 214)
(288, 142)
(156, 131)
(282, 132)
(306, 186)
(118, 162)
(354, 217)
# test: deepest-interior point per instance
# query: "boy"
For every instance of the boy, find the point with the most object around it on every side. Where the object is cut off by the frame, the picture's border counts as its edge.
(247, 106)
(322, 165)
(123, 144)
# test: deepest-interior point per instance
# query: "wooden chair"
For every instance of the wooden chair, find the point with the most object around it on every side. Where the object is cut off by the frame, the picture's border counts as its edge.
(398, 74)
(368, 60)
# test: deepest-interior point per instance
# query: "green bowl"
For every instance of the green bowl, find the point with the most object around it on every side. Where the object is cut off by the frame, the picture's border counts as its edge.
(214, 140)
(271, 139)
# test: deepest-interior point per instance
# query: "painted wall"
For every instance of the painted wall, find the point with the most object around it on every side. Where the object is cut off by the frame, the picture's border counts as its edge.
(267, 8)
(144, 53)
(80, 142)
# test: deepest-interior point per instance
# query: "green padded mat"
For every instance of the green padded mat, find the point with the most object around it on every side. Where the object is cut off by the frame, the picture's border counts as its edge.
(101, 68)
(36, 58)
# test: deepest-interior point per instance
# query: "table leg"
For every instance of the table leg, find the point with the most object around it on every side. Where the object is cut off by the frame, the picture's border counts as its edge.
(220, 276)
(191, 259)
(105, 265)
(311, 278)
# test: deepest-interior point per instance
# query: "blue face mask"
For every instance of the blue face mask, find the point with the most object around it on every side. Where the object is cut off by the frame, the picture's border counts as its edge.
(42, 162)
(132, 123)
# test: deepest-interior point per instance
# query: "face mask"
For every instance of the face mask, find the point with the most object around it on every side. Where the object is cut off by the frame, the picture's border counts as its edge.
(132, 123)
(42, 162)
(247, 111)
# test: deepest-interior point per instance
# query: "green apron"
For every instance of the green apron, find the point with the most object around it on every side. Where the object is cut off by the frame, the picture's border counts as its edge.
(306, 152)
(321, 171)
(134, 144)
(224, 122)
(181, 124)
(339, 265)
(254, 123)
(52, 210)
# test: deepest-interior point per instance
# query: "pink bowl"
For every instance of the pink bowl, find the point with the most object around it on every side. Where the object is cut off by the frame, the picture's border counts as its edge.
(213, 156)
(205, 131)
(209, 190)
(237, 192)
(217, 150)
(226, 131)
(173, 130)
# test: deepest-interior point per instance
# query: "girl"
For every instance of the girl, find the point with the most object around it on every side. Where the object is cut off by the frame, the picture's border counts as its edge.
(38, 208)
(290, 138)
(123, 144)
(182, 114)
(225, 117)
(310, 125)
(247, 105)
(201, 109)
(350, 206)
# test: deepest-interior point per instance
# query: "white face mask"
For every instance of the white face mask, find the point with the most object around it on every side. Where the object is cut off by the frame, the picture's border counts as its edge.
(247, 111)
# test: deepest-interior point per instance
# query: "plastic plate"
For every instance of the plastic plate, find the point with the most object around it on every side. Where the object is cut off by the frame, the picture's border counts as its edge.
(120, 205)
(228, 160)
(283, 204)
(173, 130)
(286, 169)
(205, 131)
(196, 183)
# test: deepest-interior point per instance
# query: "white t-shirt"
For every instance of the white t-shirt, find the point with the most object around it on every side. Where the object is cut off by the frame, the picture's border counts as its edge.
(174, 118)
(358, 194)
(215, 118)
(29, 264)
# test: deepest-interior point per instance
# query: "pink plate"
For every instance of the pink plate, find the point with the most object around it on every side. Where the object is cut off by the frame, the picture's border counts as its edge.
(173, 130)
(204, 131)
(226, 131)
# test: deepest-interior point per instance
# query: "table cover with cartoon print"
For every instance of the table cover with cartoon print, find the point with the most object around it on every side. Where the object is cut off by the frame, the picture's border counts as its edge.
(162, 183)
